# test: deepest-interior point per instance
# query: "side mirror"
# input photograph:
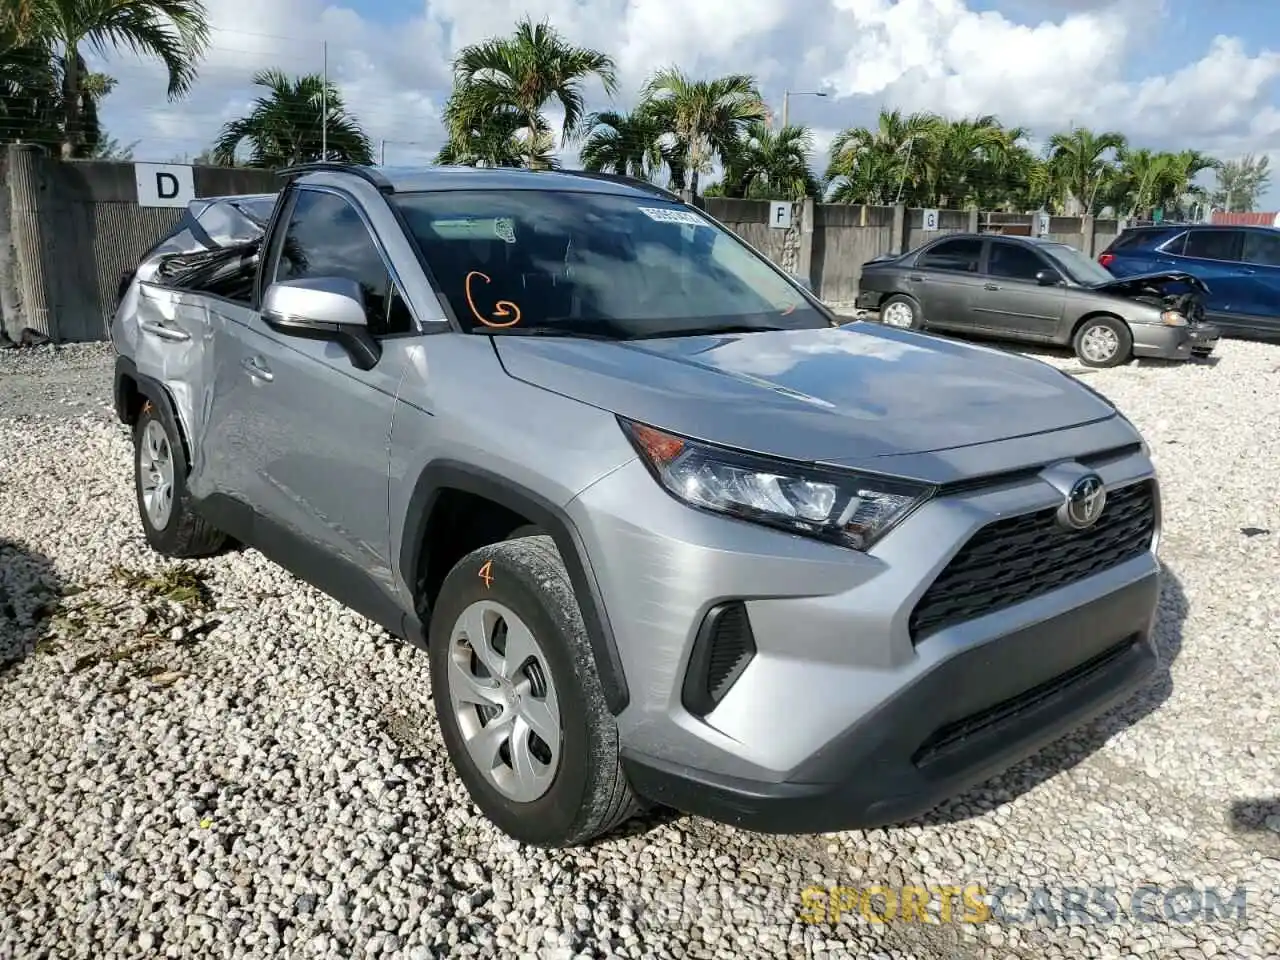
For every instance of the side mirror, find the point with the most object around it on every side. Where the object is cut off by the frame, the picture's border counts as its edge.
(1048, 278)
(803, 281)
(323, 308)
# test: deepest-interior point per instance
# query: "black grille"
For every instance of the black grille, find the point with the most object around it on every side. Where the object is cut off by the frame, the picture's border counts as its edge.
(722, 650)
(1021, 557)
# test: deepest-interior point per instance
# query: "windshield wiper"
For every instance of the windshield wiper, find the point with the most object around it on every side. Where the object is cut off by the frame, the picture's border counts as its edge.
(543, 332)
(710, 330)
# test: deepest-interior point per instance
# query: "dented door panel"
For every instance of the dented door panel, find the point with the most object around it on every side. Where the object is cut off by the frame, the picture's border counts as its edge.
(223, 461)
(168, 334)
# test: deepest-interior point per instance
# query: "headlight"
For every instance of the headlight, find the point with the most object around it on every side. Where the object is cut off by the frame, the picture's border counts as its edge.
(1172, 318)
(845, 507)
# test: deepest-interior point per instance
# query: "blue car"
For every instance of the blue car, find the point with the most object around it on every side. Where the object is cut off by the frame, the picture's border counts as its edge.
(1239, 264)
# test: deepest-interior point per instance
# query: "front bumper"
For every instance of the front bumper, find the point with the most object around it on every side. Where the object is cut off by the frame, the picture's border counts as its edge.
(956, 726)
(1204, 338)
(844, 713)
(1174, 343)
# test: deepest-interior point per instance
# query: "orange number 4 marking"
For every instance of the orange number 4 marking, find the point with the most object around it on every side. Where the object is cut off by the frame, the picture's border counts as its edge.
(486, 573)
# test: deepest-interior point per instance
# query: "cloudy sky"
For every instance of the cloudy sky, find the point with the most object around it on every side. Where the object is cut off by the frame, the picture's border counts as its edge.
(1167, 73)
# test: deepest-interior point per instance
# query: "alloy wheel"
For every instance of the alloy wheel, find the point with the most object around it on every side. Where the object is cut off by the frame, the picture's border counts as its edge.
(155, 474)
(898, 315)
(1099, 344)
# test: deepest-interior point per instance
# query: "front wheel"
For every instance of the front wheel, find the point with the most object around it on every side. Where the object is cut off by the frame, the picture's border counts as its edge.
(1103, 342)
(518, 698)
(172, 528)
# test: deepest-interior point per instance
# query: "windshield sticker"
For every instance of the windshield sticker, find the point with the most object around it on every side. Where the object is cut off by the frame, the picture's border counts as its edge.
(663, 215)
(505, 313)
(505, 228)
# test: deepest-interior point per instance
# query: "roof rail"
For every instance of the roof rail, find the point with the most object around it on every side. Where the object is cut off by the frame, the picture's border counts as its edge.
(368, 174)
(636, 182)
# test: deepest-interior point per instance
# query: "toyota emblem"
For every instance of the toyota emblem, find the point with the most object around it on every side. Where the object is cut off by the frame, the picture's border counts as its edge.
(1084, 503)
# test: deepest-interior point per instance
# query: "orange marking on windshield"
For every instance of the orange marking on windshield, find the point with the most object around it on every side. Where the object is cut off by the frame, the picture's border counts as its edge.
(791, 308)
(501, 310)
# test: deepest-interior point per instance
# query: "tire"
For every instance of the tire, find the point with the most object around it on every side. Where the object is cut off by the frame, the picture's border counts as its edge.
(158, 454)
(900, 301)
(576, 790)
(528, 530)
(1095, 334)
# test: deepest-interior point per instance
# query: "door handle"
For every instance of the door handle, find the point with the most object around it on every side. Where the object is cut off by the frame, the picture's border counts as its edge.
(991, 286)
(915, 278)
(163, 332)
(257, 369)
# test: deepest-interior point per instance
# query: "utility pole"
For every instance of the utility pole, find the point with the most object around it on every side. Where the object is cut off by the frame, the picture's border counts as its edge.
(324, 106)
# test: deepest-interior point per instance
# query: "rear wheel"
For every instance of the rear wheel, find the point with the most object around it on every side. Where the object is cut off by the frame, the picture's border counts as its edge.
(518, 698)
(1103, 342)
(902, 312)
(172, 528)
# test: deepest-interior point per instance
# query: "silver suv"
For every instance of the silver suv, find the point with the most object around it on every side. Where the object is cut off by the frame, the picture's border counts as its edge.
(669, 532)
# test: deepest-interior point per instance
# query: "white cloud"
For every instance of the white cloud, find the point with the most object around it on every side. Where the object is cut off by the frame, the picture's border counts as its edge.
(1041, 63)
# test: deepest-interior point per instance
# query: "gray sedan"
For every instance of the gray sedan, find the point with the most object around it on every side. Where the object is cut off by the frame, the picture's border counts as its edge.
(1039, 291)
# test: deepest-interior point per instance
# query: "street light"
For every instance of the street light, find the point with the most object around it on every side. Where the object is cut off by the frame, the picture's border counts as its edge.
(786, 100)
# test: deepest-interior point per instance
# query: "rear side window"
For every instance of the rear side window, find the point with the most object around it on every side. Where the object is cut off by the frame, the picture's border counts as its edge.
(1262, 247)
(960, 255)
(1141, 239)
(1214, 244)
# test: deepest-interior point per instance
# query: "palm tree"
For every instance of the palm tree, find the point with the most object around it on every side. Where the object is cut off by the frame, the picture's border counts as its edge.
(966, 160)
(1241, 182)
(521, 75)
(884, 164)
(34, 92)
(870, 179)
(30, 89)
(1081, 165)
(174, 31)
(500, 139)
(771, 165)
(707, 117)
(288, 126)
(1027, 183)
(637, 144)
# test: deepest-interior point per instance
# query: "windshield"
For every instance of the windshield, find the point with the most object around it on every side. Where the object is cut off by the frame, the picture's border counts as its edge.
(568, 262)
(1078, 267)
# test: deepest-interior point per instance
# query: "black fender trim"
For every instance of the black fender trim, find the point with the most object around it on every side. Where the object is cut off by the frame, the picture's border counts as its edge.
(148, 387)
(153, 390)
(451, 474)
(125, 369)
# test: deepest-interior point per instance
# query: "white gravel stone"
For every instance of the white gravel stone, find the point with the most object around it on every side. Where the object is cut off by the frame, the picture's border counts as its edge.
(255, 771)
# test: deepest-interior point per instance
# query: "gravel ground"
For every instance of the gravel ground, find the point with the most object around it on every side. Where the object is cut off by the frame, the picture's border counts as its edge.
(215, 760)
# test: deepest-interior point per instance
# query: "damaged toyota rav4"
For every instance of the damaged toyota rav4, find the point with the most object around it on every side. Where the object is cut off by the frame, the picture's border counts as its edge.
(668, 532)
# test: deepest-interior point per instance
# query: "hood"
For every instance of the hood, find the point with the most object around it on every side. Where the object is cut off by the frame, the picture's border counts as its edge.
(1150, 283)
(851, 394)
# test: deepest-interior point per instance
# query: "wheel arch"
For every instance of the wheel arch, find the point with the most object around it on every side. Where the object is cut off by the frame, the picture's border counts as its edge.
(131, 392)
(1098, 314)
(442, 477)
